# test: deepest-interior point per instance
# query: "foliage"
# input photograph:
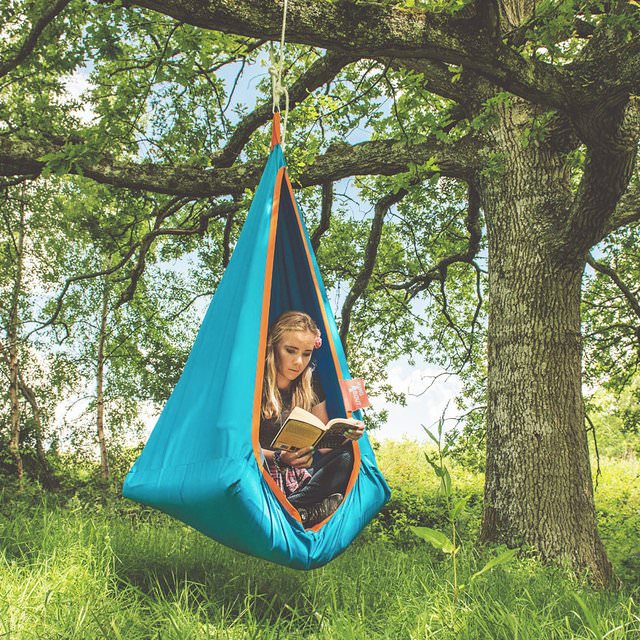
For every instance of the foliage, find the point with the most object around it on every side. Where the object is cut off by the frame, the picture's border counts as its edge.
(415, 502)
(66, 277)
(454, 506)
(617, 500)
(115, 90)
(612, 338)
(143, 87)
(615, 417)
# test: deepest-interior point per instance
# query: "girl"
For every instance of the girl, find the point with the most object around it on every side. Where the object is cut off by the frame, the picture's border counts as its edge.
(313, 481)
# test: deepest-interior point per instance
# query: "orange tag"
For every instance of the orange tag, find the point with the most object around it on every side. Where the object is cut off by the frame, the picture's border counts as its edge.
(354, 394)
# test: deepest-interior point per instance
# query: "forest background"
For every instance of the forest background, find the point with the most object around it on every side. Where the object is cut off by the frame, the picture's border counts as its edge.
(121, 205)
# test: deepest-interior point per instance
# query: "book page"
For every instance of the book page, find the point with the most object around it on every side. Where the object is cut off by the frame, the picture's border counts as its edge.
(296, 435)
(340, 425)
(298, 413)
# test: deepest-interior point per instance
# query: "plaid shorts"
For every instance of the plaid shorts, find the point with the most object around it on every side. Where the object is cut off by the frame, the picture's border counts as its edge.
(288, 479)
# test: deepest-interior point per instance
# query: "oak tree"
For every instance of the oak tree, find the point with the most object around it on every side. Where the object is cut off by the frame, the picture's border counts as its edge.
(530, 109)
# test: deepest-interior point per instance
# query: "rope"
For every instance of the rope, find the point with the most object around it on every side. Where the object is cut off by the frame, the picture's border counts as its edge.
(275, 70)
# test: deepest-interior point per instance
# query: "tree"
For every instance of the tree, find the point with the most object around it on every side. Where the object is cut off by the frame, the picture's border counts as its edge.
(29, 246)
(531, 108)
(112, 322)
(12, 328)
(612, 311)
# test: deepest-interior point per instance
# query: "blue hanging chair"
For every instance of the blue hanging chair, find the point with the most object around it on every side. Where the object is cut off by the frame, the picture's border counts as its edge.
(202, 463)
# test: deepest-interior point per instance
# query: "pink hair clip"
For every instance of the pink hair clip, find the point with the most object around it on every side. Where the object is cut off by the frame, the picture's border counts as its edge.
(318, 343)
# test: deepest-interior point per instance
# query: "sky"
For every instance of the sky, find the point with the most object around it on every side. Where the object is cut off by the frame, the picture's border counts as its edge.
(427, 401)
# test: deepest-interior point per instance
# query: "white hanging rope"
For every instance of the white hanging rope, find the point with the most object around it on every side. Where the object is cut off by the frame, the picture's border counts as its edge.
(275, 70)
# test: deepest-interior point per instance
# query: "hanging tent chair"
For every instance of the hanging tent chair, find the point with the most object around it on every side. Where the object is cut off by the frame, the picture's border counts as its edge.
(202, 463)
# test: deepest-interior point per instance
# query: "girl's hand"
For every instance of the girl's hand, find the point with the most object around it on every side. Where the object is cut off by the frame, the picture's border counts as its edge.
(355, 432)
(300, 459)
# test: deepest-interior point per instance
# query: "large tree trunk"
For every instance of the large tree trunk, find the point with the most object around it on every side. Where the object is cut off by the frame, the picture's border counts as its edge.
(104, 460)
(538, 489)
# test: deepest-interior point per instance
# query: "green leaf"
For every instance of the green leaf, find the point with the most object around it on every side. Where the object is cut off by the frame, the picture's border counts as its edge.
(431, 435)
(438, 539)
(434, 465)
(504, 558)
(445, 482)
(458, 506)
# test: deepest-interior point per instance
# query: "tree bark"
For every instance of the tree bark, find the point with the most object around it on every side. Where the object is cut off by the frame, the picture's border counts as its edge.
(13, 324)
(104, 460)
(30, 396)
(538, 487)
(375, 157)
(377, 29)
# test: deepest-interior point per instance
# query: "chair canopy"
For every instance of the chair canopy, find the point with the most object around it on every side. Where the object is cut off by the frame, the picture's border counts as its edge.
(202, 463)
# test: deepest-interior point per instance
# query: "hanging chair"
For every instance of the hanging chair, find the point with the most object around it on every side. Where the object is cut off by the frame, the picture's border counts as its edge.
(202, 463)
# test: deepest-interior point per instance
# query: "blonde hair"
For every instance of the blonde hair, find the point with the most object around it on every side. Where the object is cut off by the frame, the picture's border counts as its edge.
(303, 394)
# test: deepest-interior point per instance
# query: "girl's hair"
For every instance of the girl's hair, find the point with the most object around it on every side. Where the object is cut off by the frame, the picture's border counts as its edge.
(302, 391)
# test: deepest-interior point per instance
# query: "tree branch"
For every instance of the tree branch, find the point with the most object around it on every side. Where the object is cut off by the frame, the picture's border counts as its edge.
(216, 211)
(226, 238)
(371, 251)
(609, 167)
(422, 281)
(6, 184)
(605, 178)
(624, 289)
(627, 211)
(374, 30)
(30, 42)
(170, 208)
(439, 79)
(609, 64)
(377, 157)
(163, 212)
(325, 215)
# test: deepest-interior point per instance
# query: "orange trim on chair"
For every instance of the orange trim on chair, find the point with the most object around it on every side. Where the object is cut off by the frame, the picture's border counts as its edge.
(275, 131)
(334, 355)
(262, 344)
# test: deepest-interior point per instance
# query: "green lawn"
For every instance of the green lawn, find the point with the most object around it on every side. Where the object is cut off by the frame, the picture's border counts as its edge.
(82, 571)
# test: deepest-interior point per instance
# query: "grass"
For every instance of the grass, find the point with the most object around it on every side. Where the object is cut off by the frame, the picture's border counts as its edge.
(86, 571)
(67, 574)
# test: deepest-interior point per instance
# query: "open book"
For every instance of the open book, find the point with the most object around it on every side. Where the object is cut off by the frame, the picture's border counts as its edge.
(303, 429)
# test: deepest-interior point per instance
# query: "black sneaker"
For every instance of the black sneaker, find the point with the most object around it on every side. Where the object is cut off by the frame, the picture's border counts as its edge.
(320, 510)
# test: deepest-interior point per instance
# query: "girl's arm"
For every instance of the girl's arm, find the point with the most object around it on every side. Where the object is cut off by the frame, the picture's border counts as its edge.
(320, 411)
(300, 459)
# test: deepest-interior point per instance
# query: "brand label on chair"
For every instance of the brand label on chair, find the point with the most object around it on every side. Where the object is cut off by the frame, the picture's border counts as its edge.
(354, 394)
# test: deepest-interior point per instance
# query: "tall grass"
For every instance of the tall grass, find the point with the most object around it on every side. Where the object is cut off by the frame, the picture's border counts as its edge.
(83, 569)
(66, 573)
